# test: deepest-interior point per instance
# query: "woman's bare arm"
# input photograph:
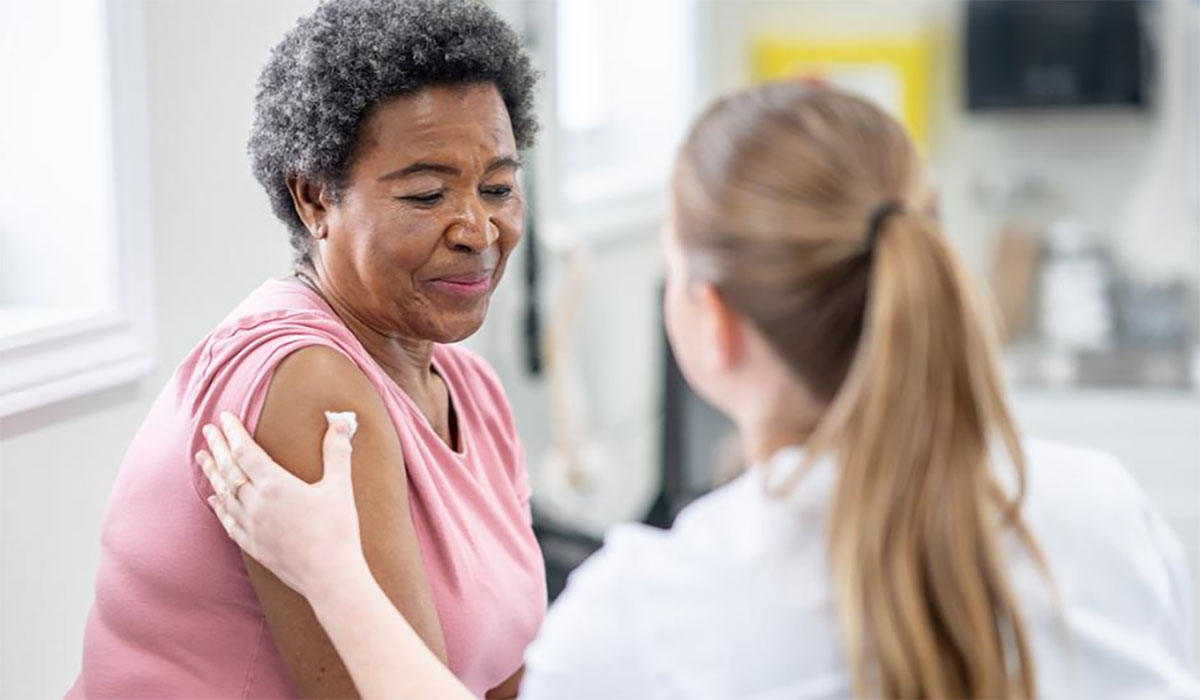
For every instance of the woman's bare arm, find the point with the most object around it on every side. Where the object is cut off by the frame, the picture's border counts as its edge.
(273, 515)
(305, 385)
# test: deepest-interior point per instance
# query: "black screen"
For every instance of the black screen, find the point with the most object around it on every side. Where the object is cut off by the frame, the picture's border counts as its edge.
(1047, 53)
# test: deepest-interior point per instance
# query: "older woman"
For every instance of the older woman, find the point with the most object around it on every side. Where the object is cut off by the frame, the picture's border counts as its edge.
(387, 137)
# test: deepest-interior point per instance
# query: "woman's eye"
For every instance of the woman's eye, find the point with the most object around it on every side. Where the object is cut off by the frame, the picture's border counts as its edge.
(500, 191)
(425, 199)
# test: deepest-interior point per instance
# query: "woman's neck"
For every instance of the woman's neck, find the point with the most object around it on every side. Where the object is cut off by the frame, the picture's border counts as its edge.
(786, 420)
(760, 444)
(408, 361)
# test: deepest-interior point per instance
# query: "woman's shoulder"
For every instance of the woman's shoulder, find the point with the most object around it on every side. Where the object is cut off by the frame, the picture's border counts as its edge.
(727, 532)
(676, 601)
(1087, 501)
(592, 643)
(232, 367)
(716, 544)
(1111, 553)
(1087, 497)
(280, 303)
(1064, 471)
(276, 319)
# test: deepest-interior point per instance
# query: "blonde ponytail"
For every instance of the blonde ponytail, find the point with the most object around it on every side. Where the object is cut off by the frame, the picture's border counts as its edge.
(926, 609)
(809, 211)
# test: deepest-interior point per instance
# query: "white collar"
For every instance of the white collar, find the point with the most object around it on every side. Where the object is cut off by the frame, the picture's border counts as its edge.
(782, 470)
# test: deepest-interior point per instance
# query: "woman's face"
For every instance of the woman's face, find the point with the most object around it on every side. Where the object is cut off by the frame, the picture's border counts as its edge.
(431, 210)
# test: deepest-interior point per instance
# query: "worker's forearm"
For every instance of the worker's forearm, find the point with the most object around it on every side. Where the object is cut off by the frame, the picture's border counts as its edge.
(384, 655)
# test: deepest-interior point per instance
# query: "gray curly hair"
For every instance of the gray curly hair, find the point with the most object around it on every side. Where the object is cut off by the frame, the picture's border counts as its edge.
(348, 56)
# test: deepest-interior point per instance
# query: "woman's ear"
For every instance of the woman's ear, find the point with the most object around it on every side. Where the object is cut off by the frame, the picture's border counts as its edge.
(721, 329)
(310, 200)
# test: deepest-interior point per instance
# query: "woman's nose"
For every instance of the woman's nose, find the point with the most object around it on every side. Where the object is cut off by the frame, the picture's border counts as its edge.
(473, 230)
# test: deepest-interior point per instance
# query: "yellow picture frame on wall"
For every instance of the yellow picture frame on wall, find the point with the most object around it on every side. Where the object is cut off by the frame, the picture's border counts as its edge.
(892, 71)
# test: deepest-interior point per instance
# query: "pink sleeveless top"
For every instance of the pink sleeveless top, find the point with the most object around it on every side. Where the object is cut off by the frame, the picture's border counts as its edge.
(175, 614)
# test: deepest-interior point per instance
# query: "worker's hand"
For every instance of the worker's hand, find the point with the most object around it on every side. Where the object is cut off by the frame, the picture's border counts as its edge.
(306, 534)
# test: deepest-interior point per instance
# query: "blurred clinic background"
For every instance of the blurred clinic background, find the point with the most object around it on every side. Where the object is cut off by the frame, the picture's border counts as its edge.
(1063, 136)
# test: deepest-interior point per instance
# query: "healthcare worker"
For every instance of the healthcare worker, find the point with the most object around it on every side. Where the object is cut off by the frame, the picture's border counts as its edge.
(895, 535)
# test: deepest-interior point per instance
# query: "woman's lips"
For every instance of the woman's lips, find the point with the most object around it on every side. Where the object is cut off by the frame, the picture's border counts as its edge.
(465, 285)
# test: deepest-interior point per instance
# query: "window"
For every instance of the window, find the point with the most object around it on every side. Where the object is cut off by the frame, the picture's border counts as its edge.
(619, 95)
(75, 289)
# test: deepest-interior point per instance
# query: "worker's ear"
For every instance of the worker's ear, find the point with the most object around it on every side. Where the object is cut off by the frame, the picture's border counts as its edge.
(721, 329)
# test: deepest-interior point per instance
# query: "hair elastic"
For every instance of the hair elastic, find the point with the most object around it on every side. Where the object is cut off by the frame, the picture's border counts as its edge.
(878, 218)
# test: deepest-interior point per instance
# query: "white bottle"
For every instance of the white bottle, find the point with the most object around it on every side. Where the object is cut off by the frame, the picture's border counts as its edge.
(1075, 291)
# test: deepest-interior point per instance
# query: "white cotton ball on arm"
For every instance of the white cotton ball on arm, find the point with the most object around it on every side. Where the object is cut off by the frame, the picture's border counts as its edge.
(350, 417)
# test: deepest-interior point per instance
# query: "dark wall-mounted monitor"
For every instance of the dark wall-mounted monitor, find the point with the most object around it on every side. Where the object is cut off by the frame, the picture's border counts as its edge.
(1055, 53)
